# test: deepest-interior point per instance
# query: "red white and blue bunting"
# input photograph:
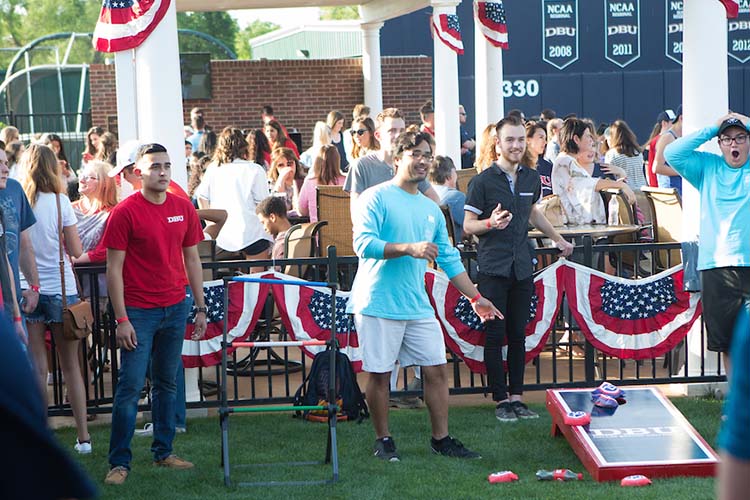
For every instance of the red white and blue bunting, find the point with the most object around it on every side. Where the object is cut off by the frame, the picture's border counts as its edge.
(628, 319)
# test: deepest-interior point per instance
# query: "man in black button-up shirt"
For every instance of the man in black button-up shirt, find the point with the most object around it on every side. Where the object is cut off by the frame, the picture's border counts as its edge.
(499, 206)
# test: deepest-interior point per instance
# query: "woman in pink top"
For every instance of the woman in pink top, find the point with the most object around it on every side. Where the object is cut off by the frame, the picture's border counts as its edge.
(326, 172)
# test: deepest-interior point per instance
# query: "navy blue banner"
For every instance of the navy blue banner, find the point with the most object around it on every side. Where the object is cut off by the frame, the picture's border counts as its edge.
(622, 31)
(739, 34)
(560, 32)
(673, 30)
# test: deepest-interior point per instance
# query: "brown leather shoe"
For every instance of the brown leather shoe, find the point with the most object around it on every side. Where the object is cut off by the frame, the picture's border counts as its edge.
(174, 462)
(116, 475)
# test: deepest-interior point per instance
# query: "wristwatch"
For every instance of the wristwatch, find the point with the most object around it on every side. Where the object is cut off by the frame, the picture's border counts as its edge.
(202, 309)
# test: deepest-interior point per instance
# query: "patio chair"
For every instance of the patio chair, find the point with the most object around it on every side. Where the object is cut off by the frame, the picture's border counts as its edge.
(666, 210)
(333, 207)
(301, 241)
(207, 253)
(449, 224)
(464, 176)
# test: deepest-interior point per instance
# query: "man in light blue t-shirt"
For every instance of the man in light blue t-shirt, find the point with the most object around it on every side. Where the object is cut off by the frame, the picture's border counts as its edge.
(724, 238)
(397, 231)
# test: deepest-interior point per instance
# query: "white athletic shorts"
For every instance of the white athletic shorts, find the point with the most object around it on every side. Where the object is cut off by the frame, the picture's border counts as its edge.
(411, 342)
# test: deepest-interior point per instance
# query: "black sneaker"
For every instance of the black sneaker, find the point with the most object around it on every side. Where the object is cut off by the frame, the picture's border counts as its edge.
(385, 449)
(452, 447)
(522, 411)
(504, 413)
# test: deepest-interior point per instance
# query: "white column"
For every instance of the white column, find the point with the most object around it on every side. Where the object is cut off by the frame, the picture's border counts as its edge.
(445, 84)
(704, 101)
(159, 93)
(371, 71)
(127, 121)
(488, 83)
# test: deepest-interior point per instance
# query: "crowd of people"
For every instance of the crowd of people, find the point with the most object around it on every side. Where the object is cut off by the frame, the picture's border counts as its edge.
(123, 208)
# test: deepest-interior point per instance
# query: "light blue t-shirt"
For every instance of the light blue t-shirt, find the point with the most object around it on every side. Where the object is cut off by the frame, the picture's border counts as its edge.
(725, 200)
(395, 288)
(734, 437)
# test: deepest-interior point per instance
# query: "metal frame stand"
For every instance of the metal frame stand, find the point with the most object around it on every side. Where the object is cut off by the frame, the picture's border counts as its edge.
(225, 411)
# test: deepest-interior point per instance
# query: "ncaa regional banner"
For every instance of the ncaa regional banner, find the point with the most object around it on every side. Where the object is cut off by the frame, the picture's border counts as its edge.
(622, 28)
(739, 34)
(560, 32)
(673, 30)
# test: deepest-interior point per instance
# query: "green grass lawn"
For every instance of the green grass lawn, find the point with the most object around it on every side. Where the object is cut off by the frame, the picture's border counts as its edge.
(522, 447)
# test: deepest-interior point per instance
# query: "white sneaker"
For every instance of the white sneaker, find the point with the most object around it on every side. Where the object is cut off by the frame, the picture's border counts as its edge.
(147, 431)
(180, 430)
(83, 448)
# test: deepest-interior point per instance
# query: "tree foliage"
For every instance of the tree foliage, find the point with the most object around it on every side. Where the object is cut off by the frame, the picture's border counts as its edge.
(252, 30)
(219, 25)
(348, 12)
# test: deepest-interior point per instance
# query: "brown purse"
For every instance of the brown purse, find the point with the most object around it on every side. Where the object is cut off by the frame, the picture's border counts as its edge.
(78, 319)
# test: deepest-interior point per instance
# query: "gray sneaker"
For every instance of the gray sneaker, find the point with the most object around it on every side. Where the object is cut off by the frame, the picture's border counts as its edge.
(522, 411)
(504, 413)
(385, 449)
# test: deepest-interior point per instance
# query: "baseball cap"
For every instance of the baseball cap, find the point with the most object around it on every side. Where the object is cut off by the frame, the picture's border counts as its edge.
(125, 156)
(729, 123)
(666, 116)
(678, 115)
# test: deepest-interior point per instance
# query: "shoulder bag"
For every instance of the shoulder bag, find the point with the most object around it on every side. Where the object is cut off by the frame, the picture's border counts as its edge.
(78, 319)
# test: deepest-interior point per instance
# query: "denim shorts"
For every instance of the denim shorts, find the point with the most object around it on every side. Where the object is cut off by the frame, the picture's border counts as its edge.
(49, 309)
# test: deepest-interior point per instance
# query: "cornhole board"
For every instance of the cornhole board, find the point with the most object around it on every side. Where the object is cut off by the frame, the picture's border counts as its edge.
(647, 435)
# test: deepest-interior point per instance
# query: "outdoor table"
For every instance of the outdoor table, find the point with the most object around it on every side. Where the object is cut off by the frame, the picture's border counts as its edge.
(596, 231)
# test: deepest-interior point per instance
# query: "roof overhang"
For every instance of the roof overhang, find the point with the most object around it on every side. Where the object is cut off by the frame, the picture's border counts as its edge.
(370, 11)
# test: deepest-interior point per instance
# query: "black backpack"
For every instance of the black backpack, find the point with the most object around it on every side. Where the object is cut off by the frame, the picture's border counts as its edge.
(314, 389)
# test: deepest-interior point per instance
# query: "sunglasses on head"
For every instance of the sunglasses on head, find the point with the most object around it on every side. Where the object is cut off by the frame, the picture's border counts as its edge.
(360, 132)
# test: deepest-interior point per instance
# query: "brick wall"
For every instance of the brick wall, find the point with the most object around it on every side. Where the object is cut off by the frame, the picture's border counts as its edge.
(300, 91)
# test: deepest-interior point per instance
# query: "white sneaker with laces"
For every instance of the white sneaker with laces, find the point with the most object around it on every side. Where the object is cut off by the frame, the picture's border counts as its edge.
(83, 448)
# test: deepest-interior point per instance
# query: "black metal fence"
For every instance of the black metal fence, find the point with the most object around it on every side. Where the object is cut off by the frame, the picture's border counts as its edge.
(48, 122)
(272, 375)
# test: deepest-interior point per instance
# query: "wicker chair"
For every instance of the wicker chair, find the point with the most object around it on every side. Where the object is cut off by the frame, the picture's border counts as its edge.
(333, 207)
(464, 176)
(666, 209)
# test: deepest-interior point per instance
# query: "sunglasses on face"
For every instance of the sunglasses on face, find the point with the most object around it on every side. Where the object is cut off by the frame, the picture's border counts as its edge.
(360, 132)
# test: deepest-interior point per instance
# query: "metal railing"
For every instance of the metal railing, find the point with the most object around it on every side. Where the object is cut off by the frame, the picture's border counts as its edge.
(267, 376)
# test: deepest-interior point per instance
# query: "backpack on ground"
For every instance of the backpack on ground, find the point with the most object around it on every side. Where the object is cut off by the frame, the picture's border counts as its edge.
(314, 389)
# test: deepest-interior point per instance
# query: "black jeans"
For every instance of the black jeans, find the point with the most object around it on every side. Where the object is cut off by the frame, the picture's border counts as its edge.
(513, 298)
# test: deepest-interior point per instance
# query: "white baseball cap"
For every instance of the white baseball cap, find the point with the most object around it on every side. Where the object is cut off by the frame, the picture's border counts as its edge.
(126, 154)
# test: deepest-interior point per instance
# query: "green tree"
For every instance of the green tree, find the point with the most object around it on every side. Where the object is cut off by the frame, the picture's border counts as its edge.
(347, 12)
(22, 21)
(219, 25)
(252, 30)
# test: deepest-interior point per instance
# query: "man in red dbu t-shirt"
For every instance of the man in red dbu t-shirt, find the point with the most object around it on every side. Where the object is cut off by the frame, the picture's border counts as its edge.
(151, 239)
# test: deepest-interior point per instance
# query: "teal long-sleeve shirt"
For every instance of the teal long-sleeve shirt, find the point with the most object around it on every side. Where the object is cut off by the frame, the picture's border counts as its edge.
(395, 288)
(724, 236)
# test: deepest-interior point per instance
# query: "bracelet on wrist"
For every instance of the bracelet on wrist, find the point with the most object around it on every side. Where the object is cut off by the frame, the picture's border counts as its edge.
(475, 298)
(489, 223)
(17, 319)
(34, 288)
(121, 320)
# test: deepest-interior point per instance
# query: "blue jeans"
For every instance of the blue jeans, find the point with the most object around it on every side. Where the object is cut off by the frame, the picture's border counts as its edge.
(159, 332)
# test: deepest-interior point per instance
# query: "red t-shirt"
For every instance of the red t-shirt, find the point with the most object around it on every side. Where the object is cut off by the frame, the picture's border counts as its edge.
(650, 175)
(153, 237)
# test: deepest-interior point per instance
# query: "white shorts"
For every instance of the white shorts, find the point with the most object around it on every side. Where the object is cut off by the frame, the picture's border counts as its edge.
(411, 342)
